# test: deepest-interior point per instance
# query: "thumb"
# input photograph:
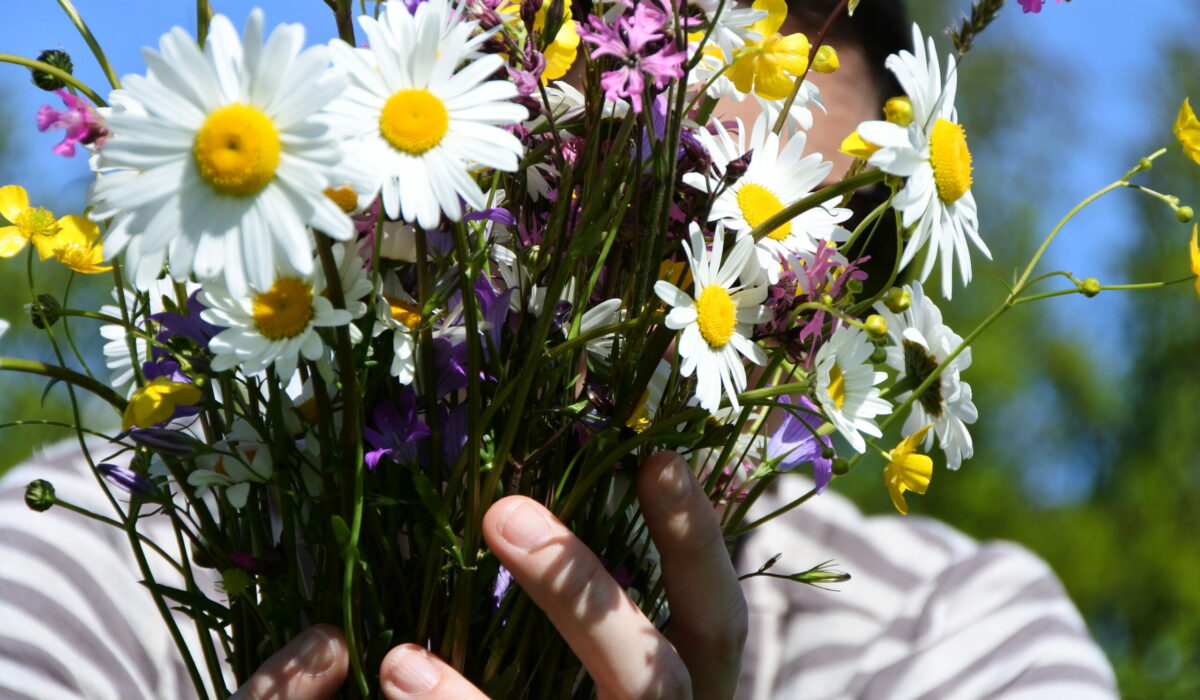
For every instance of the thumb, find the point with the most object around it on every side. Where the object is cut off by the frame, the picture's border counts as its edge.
(311, 667)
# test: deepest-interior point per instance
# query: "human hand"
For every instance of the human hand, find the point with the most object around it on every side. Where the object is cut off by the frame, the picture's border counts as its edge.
(626, 656)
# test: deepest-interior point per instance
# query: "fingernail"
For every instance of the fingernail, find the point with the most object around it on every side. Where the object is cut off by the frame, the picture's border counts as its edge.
(524, 527)
(316, 653)
(675, 481)
(413, 674)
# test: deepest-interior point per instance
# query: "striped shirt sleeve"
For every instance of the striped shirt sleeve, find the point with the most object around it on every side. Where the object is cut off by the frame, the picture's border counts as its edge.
(929, 613)
(74, 620)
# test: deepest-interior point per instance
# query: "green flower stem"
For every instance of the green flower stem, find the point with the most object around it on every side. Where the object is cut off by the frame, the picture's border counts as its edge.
(204, 15)
(67, 330)
(816, 199)
(120, 526)
(1104, 287)
(343, 14)
(72, 377)
(460, 616)
(130, 526)
(772, 515)
(56, 72)
(352, 462)
(94, 45)
(56, 424)
(1144, 164)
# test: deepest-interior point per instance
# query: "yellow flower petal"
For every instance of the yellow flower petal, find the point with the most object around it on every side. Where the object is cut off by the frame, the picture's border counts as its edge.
(776, 14)
(907, 471)
(1187, 131)
(1194, 248)
(855, 145)
(156, 402)
(12, 241)
(13, 201)
(561, 52)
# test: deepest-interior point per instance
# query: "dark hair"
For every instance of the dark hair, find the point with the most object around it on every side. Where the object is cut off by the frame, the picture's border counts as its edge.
(880, 27)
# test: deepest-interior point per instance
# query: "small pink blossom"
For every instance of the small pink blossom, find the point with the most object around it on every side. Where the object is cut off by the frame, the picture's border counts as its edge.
(80, 121)
(1034, 6)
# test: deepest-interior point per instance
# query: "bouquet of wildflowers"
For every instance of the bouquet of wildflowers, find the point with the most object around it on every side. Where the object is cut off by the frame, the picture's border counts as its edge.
(366, 288)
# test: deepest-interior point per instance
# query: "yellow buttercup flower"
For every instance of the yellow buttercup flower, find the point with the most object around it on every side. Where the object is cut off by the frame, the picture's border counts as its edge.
(1187, 130)
(770, 67)
(560, 53)
(1194, 248)
(907, 471)
(76, 245)
(855, 145)
(156, 402)
(36, 224)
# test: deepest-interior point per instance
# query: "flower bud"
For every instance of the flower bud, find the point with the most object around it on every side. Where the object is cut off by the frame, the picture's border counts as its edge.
(828, 453)
(898, 300)
(1184, 214)
(127, 480)
(854, 286)
(826, 60)
(60, 60)
(45, 312)
(1090, 287)
(878, 356)
(841, 467)
(898, 110)
(39, 495)
(827, 300)
(1145, 164)
(876, 326)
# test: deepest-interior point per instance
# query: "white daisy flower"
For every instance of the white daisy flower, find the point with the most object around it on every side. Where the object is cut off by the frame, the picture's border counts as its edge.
(774, 178)
(846, 388)
(117, 346)
(278, 323)
(246, 461)
(921, 343)
(606, 313)
(421, 118)
(718, 320)
(219, 158)
(732, 27)
(399, 313)
(932, 153)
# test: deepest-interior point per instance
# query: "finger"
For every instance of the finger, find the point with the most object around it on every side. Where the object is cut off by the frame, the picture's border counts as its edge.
(409, 671)
(311, 667)
(708, 612)
(625, 655)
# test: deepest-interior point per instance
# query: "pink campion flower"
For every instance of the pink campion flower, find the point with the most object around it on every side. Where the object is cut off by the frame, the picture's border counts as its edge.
(80, 121)
(643, 48)
(1034, 6)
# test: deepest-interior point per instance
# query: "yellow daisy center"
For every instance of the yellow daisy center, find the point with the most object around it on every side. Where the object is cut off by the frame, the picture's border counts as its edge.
(404, 313)
(237, 150)
(837, 386)
(716, 315)
(344, 197)
(36, 221)
(414, 121)
(759, 204)
(951, 160)
(284, 310)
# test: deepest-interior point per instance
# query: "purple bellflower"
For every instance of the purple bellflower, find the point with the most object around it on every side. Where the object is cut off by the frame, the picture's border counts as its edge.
(796, 442)
(397, 429)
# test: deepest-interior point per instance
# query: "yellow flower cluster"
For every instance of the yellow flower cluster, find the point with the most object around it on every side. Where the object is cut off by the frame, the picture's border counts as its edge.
(71, 240)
